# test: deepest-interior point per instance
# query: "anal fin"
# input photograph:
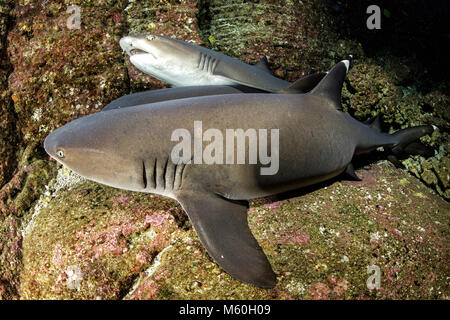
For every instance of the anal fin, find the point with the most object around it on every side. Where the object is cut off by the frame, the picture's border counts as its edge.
(222, 227)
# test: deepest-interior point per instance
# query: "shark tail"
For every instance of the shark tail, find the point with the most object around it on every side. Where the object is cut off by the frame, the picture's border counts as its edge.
(406, 141)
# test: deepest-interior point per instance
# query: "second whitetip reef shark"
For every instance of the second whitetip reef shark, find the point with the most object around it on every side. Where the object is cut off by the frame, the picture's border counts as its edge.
(166, 59)
(132, 148)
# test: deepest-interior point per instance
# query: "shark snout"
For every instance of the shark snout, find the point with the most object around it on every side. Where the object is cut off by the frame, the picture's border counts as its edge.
(126, 43)
(50, 144)
(54, 144)
(139, 43)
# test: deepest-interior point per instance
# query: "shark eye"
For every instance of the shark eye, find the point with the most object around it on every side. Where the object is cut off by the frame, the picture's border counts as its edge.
(150, 37)
(60, 153)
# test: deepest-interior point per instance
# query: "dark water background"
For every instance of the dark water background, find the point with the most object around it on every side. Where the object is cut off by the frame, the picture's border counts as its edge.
(416, 28)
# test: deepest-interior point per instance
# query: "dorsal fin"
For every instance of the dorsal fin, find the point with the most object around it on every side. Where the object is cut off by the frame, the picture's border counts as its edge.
(305, 84)
(330, 86)
(263, 64)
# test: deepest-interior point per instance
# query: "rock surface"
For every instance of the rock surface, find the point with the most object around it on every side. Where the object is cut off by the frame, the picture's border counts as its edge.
(87, 241)
(83, 240)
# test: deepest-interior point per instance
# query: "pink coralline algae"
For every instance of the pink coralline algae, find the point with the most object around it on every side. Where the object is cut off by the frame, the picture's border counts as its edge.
(143, 257)
(319, 291)
(117, 17)
(58, 255)
(340, 285)
(274, 205)
(322, 291)
(121, 199)
(398, 232)
(157, 218)
(146, 291)
(294, 236)
(111, 240)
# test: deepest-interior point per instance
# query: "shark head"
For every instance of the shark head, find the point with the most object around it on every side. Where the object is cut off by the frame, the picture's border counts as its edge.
(90, 150)
(173, 61)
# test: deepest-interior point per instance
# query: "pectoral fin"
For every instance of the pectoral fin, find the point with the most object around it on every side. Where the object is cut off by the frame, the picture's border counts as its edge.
(222, 227)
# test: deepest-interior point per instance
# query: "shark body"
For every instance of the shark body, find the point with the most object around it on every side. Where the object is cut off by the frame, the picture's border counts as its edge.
(302, 85)
(158, 95)
(130, 148)
(167, 58)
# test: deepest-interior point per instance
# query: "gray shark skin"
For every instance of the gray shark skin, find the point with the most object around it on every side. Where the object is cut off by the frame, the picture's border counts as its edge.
(150, 96)
(130, 148)
(158, 95)
(166, 59)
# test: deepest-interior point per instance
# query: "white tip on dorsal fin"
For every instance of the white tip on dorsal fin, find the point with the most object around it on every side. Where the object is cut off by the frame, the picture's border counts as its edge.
(347, 64)
(330, 86)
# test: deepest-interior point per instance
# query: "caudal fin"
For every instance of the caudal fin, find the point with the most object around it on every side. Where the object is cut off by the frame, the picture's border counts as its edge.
(406, 141)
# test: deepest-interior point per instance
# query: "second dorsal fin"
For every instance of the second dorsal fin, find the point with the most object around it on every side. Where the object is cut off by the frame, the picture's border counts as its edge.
(263, 64)
(350, 171)
(330, 86)
(374, 123)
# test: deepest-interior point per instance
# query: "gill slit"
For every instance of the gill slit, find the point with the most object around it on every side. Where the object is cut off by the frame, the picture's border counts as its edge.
(164, 173)
(144, 175)
(166, 176)
(154, 173)
(207, 63)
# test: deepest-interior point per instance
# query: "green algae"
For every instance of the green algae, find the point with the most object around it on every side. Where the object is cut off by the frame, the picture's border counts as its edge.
(321, 244)
(284, 30)
(27, 184)
(10, 257)
(107, 236)
(186, 271)
(47, 55)
(370, 90)
(354, 225)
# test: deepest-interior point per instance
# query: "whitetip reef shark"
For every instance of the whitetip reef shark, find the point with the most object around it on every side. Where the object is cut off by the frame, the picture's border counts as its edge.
(150, 96)
(158, 95)
(166, 59)
(130, 148)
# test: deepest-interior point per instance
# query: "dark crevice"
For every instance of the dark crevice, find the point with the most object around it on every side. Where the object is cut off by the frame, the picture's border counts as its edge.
(125, 32)
(8, 107)
(9, 284)
(127, 286)
(426, 108)
(204, 18)
(350, 88)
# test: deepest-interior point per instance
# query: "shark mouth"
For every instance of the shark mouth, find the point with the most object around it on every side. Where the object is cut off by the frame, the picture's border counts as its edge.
(133, 52)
